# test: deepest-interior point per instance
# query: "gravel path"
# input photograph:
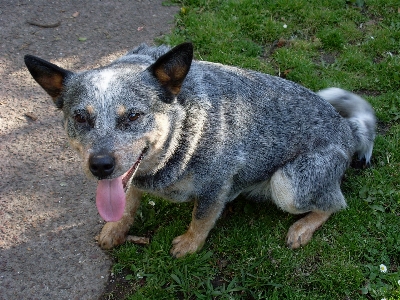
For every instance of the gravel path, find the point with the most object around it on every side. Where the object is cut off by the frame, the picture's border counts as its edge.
(48, 218)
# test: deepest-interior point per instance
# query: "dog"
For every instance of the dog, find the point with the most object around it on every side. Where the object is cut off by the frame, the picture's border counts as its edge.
(160, 122)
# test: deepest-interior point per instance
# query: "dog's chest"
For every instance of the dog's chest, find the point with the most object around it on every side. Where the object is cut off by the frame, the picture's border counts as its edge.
(178, 191)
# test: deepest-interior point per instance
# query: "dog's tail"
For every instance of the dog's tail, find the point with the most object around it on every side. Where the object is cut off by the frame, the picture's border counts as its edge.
(359, 113)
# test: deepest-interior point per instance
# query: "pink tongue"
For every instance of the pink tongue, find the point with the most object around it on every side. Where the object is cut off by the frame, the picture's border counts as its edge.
(110, 199)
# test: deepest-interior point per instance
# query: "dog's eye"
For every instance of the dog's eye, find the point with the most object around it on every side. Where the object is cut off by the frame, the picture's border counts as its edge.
(80, 118)
(127, 121)
(133, 116)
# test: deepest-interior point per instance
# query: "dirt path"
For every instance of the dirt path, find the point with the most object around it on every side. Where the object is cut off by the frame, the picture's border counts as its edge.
(48, 218)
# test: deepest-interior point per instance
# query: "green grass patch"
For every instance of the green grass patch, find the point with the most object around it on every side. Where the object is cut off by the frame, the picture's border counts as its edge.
(349, 44)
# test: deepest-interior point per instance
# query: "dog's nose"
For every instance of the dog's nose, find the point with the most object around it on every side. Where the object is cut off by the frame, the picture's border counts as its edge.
(101, 165)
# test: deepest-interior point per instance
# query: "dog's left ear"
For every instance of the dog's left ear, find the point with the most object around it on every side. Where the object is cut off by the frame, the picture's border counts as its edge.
(171, 68)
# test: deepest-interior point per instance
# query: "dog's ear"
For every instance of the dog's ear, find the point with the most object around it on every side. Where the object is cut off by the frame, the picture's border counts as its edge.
(50, 77)
(171, 68)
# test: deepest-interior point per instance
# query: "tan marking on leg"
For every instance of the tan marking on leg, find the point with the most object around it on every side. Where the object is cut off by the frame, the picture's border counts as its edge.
(121, 110)
(193, 240)
(282, 193)
(300, 233)
(90, 109)
(114, 233)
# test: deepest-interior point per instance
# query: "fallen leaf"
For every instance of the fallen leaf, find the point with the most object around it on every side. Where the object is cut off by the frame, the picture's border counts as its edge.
(281, 43)
(222, 264)
(140, 28)
(138, 239)
(287, 72)
(31, 116)
(82, 39)
(75, 14)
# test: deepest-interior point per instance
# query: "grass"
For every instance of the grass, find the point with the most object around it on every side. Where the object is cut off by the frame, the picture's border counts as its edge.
(349, 44)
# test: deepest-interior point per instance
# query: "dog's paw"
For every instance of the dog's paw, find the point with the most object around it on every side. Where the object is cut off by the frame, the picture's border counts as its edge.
(112, 235)
(301, 232)
(299, 235)
(185, 244)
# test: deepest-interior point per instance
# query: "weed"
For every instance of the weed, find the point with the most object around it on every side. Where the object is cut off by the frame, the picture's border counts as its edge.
(380, 281)
(331, 38)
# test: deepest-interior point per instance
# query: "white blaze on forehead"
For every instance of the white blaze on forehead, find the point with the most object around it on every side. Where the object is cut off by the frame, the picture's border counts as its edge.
(104, 83)
(104, 79)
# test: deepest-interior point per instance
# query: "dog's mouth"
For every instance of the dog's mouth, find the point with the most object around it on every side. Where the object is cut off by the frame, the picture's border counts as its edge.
(110, 193)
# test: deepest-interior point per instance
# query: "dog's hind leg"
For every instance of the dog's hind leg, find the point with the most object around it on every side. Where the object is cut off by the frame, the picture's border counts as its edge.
(310, 184)
(301, 232)
(203, 220)
(283, 194)
(114, 233)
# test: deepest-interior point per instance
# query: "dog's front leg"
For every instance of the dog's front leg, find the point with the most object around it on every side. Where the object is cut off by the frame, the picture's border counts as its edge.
(204, 217)
(114, 233)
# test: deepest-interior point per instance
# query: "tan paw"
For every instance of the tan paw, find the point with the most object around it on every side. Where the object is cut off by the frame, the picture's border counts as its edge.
(185, 244)
(112, 235)
(299, 235)
(301, 232)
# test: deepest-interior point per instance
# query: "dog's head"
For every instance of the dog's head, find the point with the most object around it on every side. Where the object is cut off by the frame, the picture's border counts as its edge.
(118, 117)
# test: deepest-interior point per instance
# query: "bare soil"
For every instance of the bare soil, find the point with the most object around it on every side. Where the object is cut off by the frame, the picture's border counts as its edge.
(48, 218)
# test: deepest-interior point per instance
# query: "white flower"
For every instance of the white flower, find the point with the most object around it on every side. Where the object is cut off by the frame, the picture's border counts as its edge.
(152, 203)
(284, 26)
(139, 276)
(372, 38)
(383, 268)
(398, 281)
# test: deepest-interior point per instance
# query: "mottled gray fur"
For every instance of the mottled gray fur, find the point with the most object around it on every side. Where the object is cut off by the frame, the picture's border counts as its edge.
(213, 134)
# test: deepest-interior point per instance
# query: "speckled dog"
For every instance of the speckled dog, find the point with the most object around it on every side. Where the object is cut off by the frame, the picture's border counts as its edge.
(158, 121)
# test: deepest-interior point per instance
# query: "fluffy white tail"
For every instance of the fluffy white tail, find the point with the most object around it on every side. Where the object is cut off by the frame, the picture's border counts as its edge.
(359, 113)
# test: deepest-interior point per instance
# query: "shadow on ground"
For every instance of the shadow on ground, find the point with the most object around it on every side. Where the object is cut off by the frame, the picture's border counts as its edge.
(48, 218)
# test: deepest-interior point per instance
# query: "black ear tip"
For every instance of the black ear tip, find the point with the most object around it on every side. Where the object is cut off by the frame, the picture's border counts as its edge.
(186, 47)
(28, 58)
(189, 46)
